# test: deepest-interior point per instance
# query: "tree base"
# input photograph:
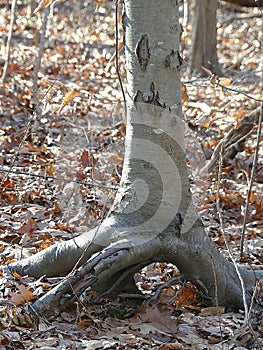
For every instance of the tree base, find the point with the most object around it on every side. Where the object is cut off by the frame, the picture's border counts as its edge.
(110, 271)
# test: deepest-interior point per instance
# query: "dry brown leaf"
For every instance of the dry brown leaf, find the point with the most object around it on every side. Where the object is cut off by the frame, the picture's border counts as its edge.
(225, 81)
(220, 82)
(51, 170)
(85, 158)
(99, 3)
(16, 275)
(68, 98)
(21, 296)
(185, 98)
(212, 311)
(207, 71)
(187, 296)
(43, 4)
(22, 318)
(215, 80)
(28, 227)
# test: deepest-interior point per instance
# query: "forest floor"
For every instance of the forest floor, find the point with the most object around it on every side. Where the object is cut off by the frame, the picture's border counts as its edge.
(60, 172)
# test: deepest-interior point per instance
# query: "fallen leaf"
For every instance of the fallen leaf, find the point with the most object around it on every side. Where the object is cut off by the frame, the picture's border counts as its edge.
(85, 158)
(185, 97)
(43, 4)
(21, 295)
(99, 3)
(68, 98)
(212, 311)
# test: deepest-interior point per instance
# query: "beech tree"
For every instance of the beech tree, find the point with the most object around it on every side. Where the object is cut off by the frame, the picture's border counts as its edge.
(153, 217)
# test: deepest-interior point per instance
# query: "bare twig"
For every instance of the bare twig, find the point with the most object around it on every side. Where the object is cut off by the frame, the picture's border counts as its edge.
(239, 92)
(250, 315)
(9, 40)
(227, 244)
(38, 62)
(215, 278)
(37, 112)
(49, 177)
(16, 155)
(216, 297)
(196, 81)
(117, 57)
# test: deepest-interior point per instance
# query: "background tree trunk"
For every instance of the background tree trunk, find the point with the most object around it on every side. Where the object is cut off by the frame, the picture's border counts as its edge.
(204, 37)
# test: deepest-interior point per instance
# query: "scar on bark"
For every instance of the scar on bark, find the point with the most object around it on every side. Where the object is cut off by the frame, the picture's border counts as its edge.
(154, 99)
(173, 60)
(143, 52)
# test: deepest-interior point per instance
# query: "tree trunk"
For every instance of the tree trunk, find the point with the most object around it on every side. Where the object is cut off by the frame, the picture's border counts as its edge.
(204, 37)
(152, 218)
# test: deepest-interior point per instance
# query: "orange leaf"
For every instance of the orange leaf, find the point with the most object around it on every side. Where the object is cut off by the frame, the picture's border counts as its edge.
(239, 114)
(81, 176)
(8, 184)
(16, 275)
(62, 227)
(51, 170)
(43, 4)
(225, 81)
(57, 209)
(84, 324)
(13, 68)
(187, 296)
(99, 3)
(185, 98)
(68, 98)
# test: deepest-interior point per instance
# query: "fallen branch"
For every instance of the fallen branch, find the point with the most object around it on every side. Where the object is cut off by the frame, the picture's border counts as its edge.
(260, 118)
(242, 18)
(246, 3)
(232, 143)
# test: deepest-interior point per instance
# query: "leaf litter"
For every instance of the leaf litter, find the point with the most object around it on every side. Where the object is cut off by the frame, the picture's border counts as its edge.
(64, 179)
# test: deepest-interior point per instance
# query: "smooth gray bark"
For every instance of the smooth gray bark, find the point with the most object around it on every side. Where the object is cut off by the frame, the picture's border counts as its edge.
(153, 216)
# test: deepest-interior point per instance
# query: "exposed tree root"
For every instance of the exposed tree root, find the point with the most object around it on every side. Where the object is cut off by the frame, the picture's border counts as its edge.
(80, 279)
(108, 270)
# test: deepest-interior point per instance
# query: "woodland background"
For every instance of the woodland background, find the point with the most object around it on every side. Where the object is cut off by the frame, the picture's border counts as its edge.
(59, 175)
